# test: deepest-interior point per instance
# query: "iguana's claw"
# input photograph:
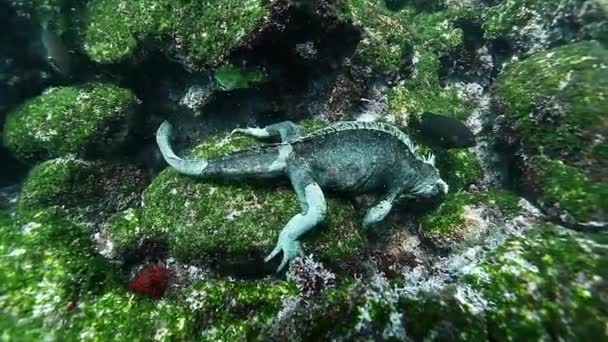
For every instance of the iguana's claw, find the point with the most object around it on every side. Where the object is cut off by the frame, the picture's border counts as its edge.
(290, 248)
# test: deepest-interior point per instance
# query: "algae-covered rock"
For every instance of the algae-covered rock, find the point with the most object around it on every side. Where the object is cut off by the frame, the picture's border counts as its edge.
(556, 101)
(48, 265)
(73, 183)
(423, 93)
(531, 25)
(565, 189)
(80, 119)
(237, 219)
(388, 37)
(198, 33)
(459, 168)
(465, 218)
(547, 283)
(555, 104)
(235, 309)
(120, 316)
(230, 77)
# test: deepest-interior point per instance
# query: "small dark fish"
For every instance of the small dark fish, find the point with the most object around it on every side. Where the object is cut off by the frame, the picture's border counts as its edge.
(446, 131)
(57, 54)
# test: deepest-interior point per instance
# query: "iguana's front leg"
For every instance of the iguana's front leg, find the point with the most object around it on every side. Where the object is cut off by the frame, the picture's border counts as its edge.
(314, 209)
(378, 211)
(286, 130)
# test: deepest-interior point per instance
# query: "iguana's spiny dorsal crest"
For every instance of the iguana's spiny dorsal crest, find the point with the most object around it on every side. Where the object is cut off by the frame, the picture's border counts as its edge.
(348, 157)
(367, 125)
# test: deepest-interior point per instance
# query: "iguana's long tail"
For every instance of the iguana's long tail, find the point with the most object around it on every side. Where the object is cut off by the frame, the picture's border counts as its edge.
(262, 161)
(192, 167)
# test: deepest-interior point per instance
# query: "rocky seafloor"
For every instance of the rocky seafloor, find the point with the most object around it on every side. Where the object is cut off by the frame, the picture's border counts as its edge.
(99, 241)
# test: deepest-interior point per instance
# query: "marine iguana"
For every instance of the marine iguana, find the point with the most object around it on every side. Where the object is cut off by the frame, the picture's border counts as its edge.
(352, 157)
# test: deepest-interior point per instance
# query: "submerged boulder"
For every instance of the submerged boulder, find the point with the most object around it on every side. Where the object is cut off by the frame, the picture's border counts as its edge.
(48, 266)
(197, 33)
(549, 282)
(467, 218)
(554, 106)
(96, 187)
(85, 119)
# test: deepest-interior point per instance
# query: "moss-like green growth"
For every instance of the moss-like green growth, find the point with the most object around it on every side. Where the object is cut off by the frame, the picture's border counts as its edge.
(571, 190)
(48, 265)
(120, 316)
(423, 93)
(230, 77)
(557, 100)
(63, 120)
(124, 229)
(388, 36)
(384, 37)
(201, 33)
(454, 221)
(73, 183)
(548, 283)
(459, 168)
(536, 18)
(235, 310)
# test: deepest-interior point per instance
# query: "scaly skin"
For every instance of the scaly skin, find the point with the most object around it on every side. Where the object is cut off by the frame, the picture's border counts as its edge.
(349, 157)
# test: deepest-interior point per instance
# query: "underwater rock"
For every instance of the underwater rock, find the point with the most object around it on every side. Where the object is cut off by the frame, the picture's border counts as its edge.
(310, 276)
(548, 282)
(197, 34)
(532, 25)
(95, 187)
(423, 93)
(86, 119)
(117, 315)
(48, 264)
(234, 310)
(554, 106)
(459, 168)
(466, 218)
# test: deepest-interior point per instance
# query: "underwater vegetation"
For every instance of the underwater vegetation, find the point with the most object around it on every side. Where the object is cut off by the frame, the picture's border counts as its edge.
(99, 240)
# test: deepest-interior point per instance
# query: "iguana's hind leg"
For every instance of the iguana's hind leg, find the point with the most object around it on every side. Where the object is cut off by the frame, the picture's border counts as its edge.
(286, 130)
(314, 209)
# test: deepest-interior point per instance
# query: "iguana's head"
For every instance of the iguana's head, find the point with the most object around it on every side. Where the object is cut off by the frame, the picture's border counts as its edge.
(426, 182)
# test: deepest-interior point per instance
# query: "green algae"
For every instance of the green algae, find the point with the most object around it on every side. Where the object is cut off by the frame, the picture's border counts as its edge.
(230, 77)
(423, 93)
(529, 17)
(72, 183)
(48, 264)
(65, 120)
(235, 309)
(388, 36)
(120, 316)
(459, 168)
(584, 199)
(545, 284)
(201, 33)
(556, 100)
(449, 224)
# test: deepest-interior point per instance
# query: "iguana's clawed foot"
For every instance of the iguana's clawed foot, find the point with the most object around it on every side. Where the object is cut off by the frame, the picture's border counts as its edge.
(290, 248)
